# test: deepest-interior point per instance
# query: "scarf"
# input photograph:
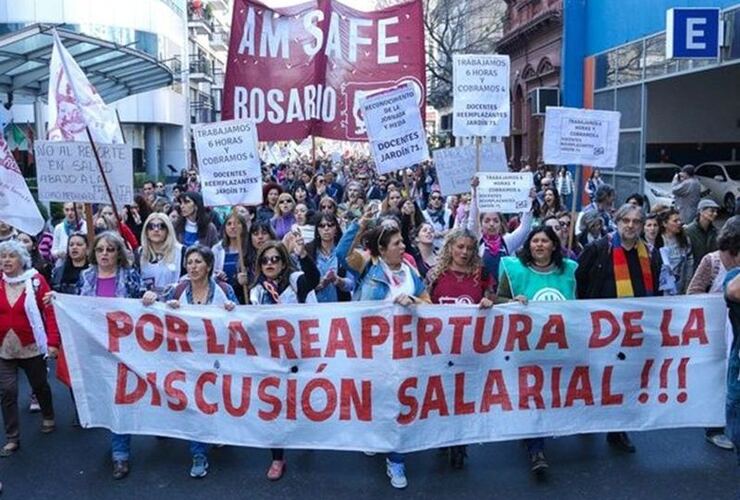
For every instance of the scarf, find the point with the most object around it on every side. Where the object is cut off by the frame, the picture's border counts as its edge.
(71, 227)
(492, 243)
(31, 306)
(272, 288)
(621, 269)
(437, 216)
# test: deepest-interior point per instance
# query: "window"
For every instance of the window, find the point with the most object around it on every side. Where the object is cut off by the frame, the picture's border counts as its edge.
(629, 63)
(629, 103)
(710, 171)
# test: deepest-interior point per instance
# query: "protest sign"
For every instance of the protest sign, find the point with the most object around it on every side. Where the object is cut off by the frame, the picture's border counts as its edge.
(395, 129)
(229, 163)
(68, 171)
(379, 377)
(480, 85)
(17, 206)
(581, 137)
(302, 70)
(456, 166)
(504, 192)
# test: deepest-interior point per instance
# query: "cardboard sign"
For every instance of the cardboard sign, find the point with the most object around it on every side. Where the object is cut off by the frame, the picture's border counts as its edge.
(480, 86)
(504, 192)
(456, 166)
(581, 137)
(395, 129)
(229, 163)
(68, 171)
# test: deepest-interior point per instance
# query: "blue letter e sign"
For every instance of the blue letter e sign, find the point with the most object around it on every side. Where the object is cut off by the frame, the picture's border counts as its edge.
(693, 33)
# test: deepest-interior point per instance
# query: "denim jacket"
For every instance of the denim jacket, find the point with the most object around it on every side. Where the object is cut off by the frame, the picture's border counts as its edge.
(128, 283)
(372, 280)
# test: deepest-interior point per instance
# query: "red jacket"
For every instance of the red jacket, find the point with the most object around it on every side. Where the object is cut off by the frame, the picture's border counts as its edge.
(15, 317)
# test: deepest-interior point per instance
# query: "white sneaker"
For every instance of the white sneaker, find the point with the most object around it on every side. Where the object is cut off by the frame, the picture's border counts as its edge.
(34, 406)
(369, 453)
(397, 473)
(721, 441)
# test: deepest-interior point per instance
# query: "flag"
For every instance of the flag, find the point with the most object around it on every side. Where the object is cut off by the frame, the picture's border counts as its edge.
(74, 103)
(17, 206)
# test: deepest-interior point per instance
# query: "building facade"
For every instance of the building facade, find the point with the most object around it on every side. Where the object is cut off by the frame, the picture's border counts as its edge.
(532, 37)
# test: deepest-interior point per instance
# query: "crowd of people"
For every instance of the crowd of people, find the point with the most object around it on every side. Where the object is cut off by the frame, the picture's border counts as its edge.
(337, 233)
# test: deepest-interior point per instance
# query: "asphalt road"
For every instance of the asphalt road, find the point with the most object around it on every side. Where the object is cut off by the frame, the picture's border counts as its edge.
(73, 463)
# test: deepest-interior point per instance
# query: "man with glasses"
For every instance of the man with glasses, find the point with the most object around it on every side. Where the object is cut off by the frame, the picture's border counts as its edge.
(701, 232)
(372, 191)
(621, 254)
(159, 190)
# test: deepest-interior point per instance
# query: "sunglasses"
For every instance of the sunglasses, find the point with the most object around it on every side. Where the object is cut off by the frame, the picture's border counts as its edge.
(160, 185)
(326, 207)
(273, 259)
(105, 250)
(154, 226)
(285, 201)
(325, 225)
(320, 181)
(435, 198)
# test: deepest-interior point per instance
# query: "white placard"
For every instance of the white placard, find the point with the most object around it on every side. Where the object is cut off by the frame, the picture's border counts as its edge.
(229, 163)
(480, 86)
(68, 171)
(504, 192)
(456, 166)
(581, 137)
(395, 129)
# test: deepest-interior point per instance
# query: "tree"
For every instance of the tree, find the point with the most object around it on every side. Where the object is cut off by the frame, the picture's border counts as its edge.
(457, 26)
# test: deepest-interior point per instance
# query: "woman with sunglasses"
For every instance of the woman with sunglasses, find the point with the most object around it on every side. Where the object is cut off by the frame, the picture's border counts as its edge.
(284, 218)
(227, 251)
(194, 226)
(327, 205)
(539, 272)
(383, 275)
(202, 289)
(110, 275)
(160, 259)
(278, 282)
(460, 278)
(336, 284)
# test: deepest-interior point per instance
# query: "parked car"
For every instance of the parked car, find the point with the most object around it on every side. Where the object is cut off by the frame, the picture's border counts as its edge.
(722, 179)
(658, 177)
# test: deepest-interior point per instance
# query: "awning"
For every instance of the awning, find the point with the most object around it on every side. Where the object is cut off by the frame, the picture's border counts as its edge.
(115, 71)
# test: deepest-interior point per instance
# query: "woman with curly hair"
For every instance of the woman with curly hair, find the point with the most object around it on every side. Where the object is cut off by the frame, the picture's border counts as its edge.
(675, 252)
(460, 278)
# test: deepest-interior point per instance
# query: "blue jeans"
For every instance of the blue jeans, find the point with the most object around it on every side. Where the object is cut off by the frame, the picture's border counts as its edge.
(732, 427)
(396, 458)
(535, 445)
(197, 448)
(121, 446)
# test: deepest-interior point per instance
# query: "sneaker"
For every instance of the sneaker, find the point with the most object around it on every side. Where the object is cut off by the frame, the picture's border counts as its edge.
(276, 470)
(538, 462)
(200, 466)
(397, 473)
(120, 469)
(721, 441)
(34, 406)
(369, 453)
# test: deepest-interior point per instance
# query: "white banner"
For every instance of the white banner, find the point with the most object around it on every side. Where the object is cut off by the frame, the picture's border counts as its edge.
(75, 104)
(456, 166)
(17, 206)
(395, 129)
(480, 86)
(68, 171)
(581, 137)
(378, 377)
(504, 192)
(229, 163)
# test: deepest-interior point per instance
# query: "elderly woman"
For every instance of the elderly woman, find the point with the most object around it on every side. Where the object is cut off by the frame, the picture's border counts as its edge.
(199, 288)
(28, 333)
(110, 275)
(159, 260)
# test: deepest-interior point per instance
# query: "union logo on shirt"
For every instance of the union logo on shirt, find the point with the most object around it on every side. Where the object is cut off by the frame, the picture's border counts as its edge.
(548, 295)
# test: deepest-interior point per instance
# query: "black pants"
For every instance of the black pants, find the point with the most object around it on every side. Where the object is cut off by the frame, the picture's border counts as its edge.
(35, 369)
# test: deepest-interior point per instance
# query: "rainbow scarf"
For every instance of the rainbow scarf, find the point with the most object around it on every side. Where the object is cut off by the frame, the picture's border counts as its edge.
(621, 269)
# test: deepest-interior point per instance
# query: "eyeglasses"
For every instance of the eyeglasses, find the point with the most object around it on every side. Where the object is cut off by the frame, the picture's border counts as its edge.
(325, 225)
(105, 250)
(160, 185)
(362, 179)
(272, 259)
(156, 226)
(564, 224)
(319, 181)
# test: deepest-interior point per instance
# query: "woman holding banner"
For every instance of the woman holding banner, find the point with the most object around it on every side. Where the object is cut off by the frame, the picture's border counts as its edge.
(336, 284)
(383, 275)
(160, 259)
(200, 288)
(111, 275)
(538, 273)
(460, 278)
(28, 334)
(278, 282)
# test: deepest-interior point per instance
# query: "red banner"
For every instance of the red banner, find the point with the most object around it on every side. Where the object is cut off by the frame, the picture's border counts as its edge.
(302, 70)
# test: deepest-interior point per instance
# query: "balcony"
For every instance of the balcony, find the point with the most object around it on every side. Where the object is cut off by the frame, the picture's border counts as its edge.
(201, 69)
(199, 23)
(220, 40)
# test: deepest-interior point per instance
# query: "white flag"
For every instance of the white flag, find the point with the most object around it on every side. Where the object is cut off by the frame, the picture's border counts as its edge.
(74, 103)
(17, 206)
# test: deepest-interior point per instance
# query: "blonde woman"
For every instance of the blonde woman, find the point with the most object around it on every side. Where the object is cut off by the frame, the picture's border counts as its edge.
(160, 258)
(284, 218)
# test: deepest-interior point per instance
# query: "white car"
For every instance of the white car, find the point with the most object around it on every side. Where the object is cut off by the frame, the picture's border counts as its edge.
(722, 179)
(658, 177)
